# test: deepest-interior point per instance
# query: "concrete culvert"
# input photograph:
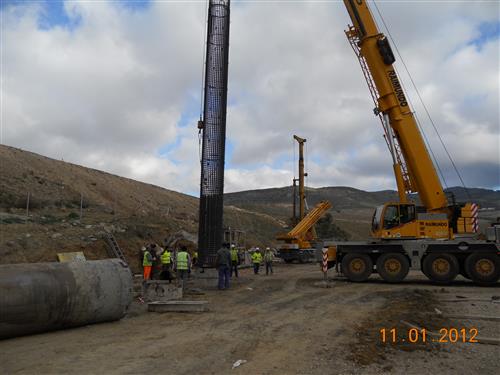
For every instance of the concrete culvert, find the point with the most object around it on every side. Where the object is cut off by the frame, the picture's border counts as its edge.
(42, 297)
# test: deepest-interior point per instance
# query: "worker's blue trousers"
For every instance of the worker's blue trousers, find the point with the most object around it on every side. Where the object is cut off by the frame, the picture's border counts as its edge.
(224, 275)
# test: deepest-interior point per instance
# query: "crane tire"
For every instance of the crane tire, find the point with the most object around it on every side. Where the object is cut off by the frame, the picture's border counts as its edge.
(441, 268)
(393, 267)
(483, 268)
(357, 267)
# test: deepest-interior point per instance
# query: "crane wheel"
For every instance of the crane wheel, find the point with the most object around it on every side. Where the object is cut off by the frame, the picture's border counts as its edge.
(441, 267)
(357, 267)
(483, 268)
(393, 267)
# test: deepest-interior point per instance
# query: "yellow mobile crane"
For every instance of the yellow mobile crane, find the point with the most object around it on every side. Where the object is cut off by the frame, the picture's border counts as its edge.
(438, 237)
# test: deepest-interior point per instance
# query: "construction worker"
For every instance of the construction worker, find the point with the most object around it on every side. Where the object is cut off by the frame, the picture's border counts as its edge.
(268, 260)
(140, 258)
(166, 263)
(235, 260)
(183, 265)
(156, 265)
(256, 260)
(223, 265)
(195, 258)
(147, 263)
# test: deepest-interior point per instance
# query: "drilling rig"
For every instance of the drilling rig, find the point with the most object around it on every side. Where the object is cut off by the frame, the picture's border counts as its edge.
(297, 244)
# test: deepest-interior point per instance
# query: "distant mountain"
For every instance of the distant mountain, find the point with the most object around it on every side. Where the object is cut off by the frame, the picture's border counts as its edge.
(485, 198)
(274, 200)
(352, 208)
(347, 198)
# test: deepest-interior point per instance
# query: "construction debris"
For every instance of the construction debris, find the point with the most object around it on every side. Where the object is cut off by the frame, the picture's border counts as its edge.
(238, 363)
(160, 290)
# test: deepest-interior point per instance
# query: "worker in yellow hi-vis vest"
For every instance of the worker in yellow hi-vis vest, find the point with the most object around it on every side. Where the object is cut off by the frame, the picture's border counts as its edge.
(183, 265)
(166, 264)
(235, 260)
(256, 260)
(268, 260)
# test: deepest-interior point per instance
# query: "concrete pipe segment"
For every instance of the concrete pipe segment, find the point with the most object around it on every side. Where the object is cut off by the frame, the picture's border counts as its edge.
(41, 297)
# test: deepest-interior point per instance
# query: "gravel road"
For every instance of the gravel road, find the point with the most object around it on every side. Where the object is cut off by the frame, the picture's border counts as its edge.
(280, 324)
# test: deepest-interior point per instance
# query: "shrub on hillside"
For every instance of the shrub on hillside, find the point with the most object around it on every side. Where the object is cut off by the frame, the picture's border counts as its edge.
(326, 228)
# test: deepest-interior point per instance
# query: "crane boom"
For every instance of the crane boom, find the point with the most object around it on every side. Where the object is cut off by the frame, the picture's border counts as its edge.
(419, 171)
(301, 229)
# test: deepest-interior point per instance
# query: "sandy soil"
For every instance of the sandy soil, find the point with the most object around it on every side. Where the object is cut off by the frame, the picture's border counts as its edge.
(280, 324)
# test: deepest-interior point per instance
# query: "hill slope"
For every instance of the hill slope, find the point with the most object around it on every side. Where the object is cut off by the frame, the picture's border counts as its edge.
(136, 212)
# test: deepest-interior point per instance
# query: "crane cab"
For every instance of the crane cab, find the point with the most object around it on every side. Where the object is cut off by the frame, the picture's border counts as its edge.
(401, 220)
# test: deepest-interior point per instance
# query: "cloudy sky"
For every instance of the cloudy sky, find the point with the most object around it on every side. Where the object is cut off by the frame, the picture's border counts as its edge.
(115, 85)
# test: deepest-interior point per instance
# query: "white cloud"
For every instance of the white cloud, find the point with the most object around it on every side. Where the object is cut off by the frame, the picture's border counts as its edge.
(113, 92)
(263, 177)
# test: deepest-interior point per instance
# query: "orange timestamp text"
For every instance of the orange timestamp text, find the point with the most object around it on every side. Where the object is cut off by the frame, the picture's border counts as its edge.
(422, 335)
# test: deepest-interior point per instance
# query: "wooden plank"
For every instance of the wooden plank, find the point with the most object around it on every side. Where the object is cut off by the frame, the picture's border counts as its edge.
(178, 306)
(76, 256)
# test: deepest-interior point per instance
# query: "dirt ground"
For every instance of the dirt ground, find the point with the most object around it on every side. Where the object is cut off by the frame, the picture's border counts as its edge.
(280, 324)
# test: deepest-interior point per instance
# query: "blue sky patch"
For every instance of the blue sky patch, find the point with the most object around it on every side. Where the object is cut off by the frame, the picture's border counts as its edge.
(135, 4)
(53, 14)
(488, 31)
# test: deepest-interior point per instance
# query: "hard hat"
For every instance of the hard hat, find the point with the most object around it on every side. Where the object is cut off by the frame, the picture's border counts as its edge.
(143, 248)
(233, 245)
(268, 248)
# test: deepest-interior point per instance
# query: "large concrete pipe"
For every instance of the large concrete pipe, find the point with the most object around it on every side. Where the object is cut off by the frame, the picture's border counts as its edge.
(41, 297)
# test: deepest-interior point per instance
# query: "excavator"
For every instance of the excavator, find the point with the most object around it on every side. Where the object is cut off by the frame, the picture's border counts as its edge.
(439, 236)
(297, 244)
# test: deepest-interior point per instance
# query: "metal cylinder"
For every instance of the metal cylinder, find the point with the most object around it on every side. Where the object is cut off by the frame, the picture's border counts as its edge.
(42, 297)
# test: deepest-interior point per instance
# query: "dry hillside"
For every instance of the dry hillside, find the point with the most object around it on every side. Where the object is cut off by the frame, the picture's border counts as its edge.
(135, 212)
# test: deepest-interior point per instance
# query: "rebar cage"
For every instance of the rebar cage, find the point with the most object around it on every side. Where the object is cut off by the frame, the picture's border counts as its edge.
(214, 133)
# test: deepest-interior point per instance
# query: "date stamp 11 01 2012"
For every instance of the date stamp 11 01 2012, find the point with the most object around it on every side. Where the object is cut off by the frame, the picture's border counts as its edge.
(422, 336)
